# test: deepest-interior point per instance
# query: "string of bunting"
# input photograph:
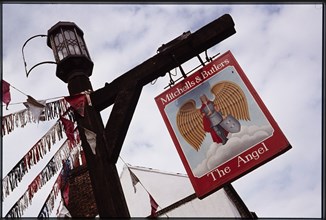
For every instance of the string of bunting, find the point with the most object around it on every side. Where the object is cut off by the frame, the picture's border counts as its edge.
(33, 113)
(52, 167)
(39, 110)
(61, 185)
(37, 152)
(48, 112)
(50, 200)
(33, 156)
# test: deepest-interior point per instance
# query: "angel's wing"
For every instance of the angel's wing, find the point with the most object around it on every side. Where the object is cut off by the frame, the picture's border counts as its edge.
(190, 124)
(230, 98)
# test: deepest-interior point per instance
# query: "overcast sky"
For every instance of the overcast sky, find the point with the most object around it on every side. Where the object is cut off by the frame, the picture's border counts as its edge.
(279, 47)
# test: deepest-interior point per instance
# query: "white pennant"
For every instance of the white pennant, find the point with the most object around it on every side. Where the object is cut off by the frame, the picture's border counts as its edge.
(88, 98)
(36, 107)
(134, 179)
(64, 212)
(91, 139)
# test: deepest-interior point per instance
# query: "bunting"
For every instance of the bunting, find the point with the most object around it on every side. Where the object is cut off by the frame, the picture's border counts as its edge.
(57, 187)
(76, 154)
(134, 179)
(77, 102)
(69, 129)
(6, 98)
(21, 118)
(35, 107)
(88, 98)
(154, 205)
(34, 112)
(40, 110)
(91, 139)
(34, 155)
(64, 212)
(53, 166)
(56, 109)
(50, 200)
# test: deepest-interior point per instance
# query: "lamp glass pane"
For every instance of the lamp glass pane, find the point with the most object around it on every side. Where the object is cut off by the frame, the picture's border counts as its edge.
(67, 35)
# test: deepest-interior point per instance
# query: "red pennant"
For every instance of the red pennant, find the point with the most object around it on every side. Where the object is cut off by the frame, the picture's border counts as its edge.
(77, 102)
(69, 129)
(83, 157)
(154, 205)
(66, 194)
(59, 181)
(6, 98)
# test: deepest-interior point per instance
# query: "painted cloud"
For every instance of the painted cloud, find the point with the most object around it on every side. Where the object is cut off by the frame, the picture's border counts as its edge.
(238, 142)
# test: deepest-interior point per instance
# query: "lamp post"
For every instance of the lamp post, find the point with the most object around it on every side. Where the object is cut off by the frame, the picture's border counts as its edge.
(74, 66)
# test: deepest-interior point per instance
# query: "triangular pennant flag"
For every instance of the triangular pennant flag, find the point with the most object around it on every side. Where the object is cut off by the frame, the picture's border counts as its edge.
(134, 179)
(77, 102)
(64, 212)
(65, 194)
(35, 107)
(75, 157)
(154, 205)
(88, 98)
(6, 98)
(91, 139)
(35, 103)
(69, 129)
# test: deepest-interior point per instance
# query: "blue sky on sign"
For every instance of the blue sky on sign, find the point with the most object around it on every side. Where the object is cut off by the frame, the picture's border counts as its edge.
(279, 47)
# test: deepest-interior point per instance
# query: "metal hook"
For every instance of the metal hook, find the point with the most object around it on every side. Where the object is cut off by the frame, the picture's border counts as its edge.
(171, 80)
(182, 71)
(25, 64)
(200, 60)
(208, 59)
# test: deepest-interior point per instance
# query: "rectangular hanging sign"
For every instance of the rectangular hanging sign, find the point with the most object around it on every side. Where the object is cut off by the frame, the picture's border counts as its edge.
(220, 127)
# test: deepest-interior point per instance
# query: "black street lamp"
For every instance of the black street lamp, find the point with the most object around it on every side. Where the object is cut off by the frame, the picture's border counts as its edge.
(70, 51)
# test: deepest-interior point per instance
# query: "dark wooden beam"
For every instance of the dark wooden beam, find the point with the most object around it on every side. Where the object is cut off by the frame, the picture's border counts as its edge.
(120, 117)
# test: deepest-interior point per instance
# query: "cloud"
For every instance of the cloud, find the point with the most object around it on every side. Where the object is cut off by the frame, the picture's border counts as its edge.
(218, 154)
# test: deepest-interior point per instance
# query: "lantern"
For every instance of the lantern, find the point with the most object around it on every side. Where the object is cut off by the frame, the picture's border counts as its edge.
(70, 51)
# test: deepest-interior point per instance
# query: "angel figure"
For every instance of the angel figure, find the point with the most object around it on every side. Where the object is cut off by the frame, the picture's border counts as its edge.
(218, 117)
(212, 118)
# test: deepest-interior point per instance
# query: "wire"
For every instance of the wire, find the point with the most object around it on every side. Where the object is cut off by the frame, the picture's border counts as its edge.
(18, 90)
(16, 103)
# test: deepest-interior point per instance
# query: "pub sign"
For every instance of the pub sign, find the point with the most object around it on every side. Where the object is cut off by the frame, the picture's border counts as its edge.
(219, 125)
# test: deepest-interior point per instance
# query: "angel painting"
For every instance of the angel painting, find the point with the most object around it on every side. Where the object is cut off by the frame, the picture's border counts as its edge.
(218, 117)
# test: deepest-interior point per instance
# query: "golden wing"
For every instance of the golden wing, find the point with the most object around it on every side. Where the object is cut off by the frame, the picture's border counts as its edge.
(190, 124)
(230, 98)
